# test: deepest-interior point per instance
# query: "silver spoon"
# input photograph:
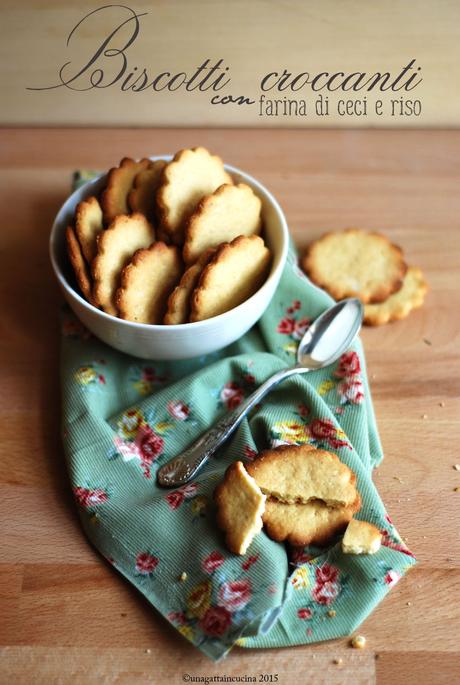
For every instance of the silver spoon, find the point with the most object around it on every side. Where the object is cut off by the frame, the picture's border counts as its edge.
(328, 337)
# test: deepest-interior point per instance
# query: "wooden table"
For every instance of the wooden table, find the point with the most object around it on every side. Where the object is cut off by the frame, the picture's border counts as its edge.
(65, 615)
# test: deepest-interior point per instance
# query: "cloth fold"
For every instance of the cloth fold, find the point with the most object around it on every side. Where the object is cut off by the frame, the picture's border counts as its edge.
(124, 417)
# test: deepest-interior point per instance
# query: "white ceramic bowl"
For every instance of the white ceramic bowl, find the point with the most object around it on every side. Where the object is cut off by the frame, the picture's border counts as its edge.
(181, 341)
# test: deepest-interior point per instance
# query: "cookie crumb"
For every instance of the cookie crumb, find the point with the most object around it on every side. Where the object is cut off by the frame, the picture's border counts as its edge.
(456, 489)
(338, 661)
(183, 577)
(331, 613)
(358, 642)
(408, 604)
(442, 404)
(147, 651)
(398, 478)
(456, 467)
(427, 342)
(424, 416)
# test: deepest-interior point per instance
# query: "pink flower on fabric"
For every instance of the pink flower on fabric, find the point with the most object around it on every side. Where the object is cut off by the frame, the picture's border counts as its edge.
(234, 595)
(212, 562)
(246, 565)
(178, 410)
(286, 326)
(327, 585)
(249, 453)
(326, 573)
(305, 614)
(146, 563)
(324, 429)
(128, 450)
(87, 498)
(351, 390)
(231, 395)
(300, 328)
(299, 557)
(392, 577)
(177, 617)
(149, 443)
(176, 497)
(349, 365)
(215, 621)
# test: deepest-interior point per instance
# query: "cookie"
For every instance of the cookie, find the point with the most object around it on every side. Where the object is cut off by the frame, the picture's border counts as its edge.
(115, 248)
(178, 309)
(232, 210)
(240, 505)
(79, 265)
(361, 537)
(88, 225)
(401, 303)
(147, 282)
(190, 176)
(306, 524)
(114, 199)
(354, 263)
(142, 196)
(236, 271)
(299, 474)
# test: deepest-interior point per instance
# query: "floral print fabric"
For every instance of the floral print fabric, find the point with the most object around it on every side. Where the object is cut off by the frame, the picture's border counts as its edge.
(123, 418)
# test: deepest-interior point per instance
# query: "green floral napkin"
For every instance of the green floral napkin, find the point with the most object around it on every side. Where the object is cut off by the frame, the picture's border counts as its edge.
(124, 418)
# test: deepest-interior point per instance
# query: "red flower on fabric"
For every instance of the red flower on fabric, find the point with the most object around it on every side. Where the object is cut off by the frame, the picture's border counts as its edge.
(150, 446)
(215, 621)
(299, 557)
(232, 395)
(249, 378)
(300, 328)
(235, 594)
(249, 453)
(177, 617)
(178, 410)
(349, 365)
(305, 613)
(246, 565)
(326, 573)
(303, 410)
(324, 429)
(327, 585)
(87, 498)
(175, 499)
(398, 546)
(149, 375)
(391, 577)
(212, 562)
(286, 326)
(351, 390)
(146, 563)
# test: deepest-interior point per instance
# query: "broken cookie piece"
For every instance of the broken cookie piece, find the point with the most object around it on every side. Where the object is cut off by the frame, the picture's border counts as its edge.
(361, 537)
(240, 505)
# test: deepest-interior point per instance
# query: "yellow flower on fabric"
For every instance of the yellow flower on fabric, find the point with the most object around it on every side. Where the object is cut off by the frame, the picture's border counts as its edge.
(199, 599)
(143, 387)
(292, 432)
(85, 375)
(300, 579)
(325, 386)
(291, 348)
(130, 422)
(187, 632)
(199, 504)
(163, 426)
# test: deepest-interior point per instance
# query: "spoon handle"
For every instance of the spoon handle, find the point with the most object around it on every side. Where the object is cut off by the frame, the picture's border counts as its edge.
(182, 468)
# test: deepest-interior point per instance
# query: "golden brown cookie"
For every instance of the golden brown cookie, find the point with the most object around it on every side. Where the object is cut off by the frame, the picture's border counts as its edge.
(142, 196)
(354, 263)
(240, 505)
(88, 225)
(306, 524)
(114, 199)
(178, 310)
(299, 474)
(230, 211)
(78, 264)
(190, 176)
(361, 537)
(115, 248)
(401, 303)
(236, 271)
(147, 282)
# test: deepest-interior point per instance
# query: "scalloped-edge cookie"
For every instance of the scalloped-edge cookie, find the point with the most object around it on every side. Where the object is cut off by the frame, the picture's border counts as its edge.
(399, 305)
(88, 225)
(361, 537)
(78, 263)
(235, 272)
(192, 174)
(355, 263)
(178, 310)
(306, 524)
(115, 248)
(142, 196)
(120, 179)
(240, 506)
(146, 283)
(230, 211)
(299, 474)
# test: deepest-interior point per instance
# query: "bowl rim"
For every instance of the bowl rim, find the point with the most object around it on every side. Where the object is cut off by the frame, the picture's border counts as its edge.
(189, 326)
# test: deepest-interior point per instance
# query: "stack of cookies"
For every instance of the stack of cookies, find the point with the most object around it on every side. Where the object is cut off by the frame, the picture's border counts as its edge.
(169, 243)
(300, 494)
(354, 263)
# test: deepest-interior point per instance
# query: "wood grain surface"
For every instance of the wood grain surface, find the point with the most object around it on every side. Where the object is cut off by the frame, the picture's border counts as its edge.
(66, 616)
